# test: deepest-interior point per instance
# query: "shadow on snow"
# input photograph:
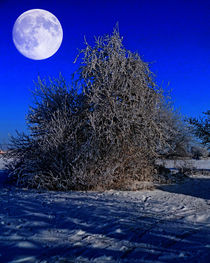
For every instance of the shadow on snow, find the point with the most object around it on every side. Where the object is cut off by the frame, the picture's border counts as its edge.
(39, 225)
(199, 187)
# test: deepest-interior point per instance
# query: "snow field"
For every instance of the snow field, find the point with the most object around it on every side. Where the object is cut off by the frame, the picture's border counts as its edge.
(169, 224)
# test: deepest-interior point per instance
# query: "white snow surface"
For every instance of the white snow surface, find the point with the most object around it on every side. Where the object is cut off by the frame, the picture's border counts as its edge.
(169, 224)
(191, 163)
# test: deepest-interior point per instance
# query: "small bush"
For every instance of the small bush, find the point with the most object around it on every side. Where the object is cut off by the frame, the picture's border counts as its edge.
(199, 152)
(201, 128)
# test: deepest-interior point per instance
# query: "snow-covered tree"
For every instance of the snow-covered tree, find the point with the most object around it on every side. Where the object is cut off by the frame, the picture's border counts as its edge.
(201, 128)
(103, 136)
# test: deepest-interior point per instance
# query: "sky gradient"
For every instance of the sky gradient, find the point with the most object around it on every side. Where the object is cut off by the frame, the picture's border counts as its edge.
(174, 35)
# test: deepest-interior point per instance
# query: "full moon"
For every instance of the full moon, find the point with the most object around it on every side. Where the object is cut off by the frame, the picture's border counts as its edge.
(37, 34)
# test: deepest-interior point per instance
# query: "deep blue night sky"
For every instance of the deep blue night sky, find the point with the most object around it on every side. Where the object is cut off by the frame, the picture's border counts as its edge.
(174, 34)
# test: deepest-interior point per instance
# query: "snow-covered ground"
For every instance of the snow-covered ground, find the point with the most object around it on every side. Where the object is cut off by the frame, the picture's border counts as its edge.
(197, 164)
(170, 224)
